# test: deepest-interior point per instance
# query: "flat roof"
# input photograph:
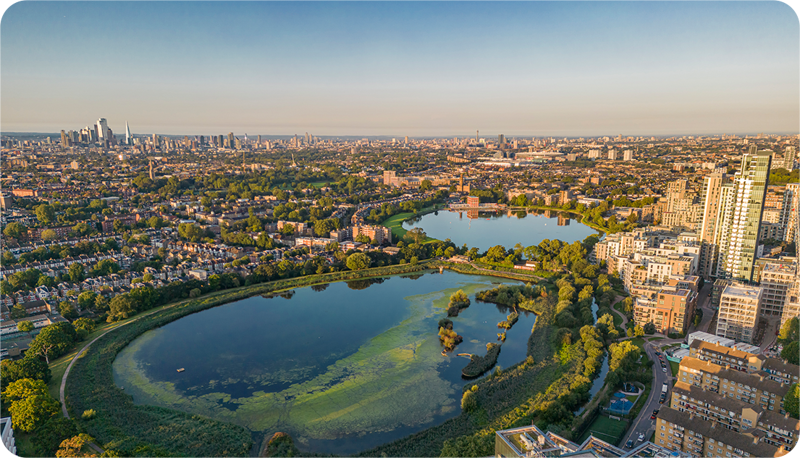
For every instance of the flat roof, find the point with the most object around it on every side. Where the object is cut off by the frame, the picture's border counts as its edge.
(747, 292)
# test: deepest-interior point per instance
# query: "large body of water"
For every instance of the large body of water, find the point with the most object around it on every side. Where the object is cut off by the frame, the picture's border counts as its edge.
(487, 229)
(342, 368)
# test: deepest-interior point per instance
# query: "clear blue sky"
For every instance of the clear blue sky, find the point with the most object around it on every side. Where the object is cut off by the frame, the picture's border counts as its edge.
(364, 68)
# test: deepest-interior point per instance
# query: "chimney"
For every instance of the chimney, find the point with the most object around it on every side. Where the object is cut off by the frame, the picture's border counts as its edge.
(755, 439)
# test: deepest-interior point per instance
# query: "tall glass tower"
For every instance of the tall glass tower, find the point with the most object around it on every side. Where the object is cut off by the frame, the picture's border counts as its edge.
(741, 207)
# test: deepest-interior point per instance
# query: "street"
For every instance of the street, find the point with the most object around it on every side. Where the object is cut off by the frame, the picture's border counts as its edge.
(643, 424)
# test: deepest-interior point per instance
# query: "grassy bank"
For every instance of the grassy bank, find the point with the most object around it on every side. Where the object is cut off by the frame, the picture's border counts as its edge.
(584, 218)
(395, 222)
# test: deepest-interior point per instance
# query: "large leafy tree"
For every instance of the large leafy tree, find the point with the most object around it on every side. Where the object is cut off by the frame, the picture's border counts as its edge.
(76, 272)
(15, 230)
(30, 403)
(791, 353)
(25, 368)
(358, 261)
(46, 214)
(790, 331)
(791, 402)
(52, 341)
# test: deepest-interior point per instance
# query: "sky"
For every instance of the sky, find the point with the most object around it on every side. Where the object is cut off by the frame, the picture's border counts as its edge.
(401, 68)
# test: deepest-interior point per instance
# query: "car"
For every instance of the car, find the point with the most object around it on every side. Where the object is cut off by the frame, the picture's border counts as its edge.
(641, 437)
(658, 354)
(664, 370)
(629, 444)
(653, 417)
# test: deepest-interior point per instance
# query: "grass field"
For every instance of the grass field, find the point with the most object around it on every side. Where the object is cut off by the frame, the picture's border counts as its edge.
(638, 341)
(674, 367)
(395, 223)
(606, 429)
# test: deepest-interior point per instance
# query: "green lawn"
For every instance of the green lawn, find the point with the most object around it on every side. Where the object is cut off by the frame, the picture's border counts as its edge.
(651, 339)
(674, 367)
(638, 341)
(606, 429)
(395, 223)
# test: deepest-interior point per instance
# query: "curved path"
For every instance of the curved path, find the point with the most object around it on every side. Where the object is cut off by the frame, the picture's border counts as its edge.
(63, 386)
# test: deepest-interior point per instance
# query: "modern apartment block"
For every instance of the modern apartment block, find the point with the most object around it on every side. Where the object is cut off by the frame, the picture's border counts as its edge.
(741, 209)
(791, 307)
(776, 279)
(729, 403)
(739, 310)
(670, 311)
(532, 442)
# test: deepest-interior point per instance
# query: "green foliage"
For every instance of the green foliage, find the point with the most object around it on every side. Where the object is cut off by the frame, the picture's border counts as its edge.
(790, 331)
(791, 353)
(281, 444)
(30, 403)
(478, 365)
(358, 261)
(15, 230)
(791, 403)
(458, 301)
(49, 436)
(52, 341)
(27, 368)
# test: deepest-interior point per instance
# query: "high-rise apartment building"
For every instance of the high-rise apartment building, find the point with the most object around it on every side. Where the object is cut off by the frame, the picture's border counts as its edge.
(627, 155)
(790, 233)
(776, 279)
(501, 140)
(102, 129)
(612, 155)
(230, 140)
(710, 194)
(789, 158)
(741, 210)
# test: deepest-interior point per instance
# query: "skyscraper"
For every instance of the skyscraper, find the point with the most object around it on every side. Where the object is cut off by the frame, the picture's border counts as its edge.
(501, 140)
(789, 157)
(128, 136)
(710, 197)
(102, 129)
(743, 208)
(790, 234)
(64, 139)
(230, 140)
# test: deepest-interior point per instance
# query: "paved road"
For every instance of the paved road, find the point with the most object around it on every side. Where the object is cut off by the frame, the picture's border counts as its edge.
(643, 424)
(704, 302)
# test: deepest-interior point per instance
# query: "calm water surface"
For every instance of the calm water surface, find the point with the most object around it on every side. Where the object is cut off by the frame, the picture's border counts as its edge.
(486, 229)
(342, 367)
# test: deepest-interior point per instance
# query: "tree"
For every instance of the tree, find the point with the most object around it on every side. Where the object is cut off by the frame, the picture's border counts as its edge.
(638, 331)
(29, 368)
(67, 310)
(30, 403)
(15, 230)
(791, 402)
(649, 328)
(790, 331)
(25, 326)
(287, 229)
(76, 272)
(84, 324)
(52, 341)
(18, 311)
(426, 185)
(362, 238)
(358, 261)
(46, 214)
(86, 300)
(121, 307)
(416, 235)
(791, 353)
(49, 235)
(77, 446)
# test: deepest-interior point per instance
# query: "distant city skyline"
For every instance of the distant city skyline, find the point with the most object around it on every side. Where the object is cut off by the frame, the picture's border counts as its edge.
(412, 69)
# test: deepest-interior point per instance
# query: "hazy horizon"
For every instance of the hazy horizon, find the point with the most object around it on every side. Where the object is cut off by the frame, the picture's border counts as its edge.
(417, 69)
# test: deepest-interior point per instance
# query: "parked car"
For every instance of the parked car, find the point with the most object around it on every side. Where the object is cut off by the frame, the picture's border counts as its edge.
(629, 444)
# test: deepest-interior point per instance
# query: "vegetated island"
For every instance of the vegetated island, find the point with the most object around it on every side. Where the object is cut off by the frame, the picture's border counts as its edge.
(447, 336)
(478, 365)
(458, 302)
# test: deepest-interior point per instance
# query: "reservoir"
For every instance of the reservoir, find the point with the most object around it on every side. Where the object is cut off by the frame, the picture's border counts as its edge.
(486, 229)
(342, 367)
